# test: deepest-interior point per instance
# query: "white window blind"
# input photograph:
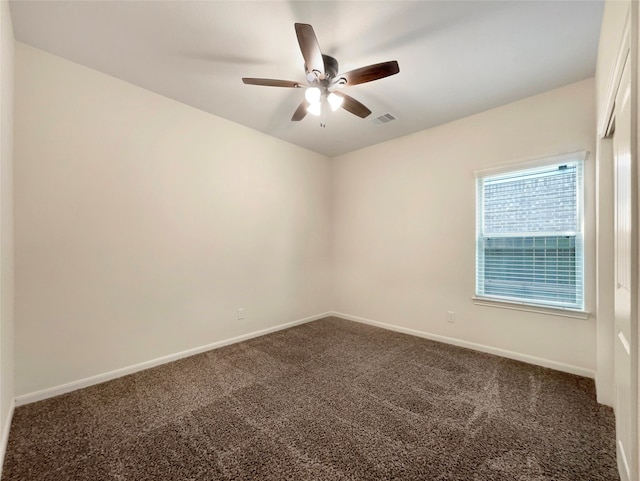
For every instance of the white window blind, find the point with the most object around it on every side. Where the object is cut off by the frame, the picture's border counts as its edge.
(530, 236)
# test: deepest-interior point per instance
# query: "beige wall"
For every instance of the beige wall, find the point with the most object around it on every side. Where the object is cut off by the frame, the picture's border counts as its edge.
(613, 21)
(404, 217)
(142, 225)
(6, 223)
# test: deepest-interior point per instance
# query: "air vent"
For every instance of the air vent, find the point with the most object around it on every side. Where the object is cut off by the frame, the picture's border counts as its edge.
(383, 119)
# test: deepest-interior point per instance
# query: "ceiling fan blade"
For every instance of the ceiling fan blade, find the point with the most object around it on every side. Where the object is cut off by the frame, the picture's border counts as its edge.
(310, 49)
(370, 73)
(352, 105)
(300, 112)
(272, 82)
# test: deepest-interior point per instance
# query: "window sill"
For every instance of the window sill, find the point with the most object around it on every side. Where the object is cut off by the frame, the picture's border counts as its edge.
(520, 306)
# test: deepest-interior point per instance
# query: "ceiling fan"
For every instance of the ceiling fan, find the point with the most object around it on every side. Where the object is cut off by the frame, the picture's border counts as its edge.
(323, 80)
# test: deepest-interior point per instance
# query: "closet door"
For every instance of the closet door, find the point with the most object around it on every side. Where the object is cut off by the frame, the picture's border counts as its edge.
(626, 284)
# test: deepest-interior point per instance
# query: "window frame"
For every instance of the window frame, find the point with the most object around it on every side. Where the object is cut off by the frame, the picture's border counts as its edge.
(521, 303)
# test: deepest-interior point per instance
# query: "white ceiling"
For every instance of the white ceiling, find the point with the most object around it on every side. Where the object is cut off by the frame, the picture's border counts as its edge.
(456, 58)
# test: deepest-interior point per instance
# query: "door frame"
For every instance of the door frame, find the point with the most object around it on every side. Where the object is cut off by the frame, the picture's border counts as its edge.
(628, 49)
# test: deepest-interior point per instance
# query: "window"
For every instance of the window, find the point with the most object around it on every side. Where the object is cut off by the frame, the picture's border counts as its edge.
(530, 234)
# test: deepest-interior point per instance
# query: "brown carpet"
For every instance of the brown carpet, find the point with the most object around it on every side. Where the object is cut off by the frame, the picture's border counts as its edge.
(328, 400)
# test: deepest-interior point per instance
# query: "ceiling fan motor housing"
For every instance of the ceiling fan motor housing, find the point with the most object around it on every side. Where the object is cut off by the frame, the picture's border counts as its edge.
(330, 66)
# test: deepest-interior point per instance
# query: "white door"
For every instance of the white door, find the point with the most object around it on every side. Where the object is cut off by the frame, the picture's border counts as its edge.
(626, 284)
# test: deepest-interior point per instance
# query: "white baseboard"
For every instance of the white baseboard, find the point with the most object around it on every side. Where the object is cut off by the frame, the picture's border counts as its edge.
(558, 366)
(604, 389)
(5, 435)
(107, 376)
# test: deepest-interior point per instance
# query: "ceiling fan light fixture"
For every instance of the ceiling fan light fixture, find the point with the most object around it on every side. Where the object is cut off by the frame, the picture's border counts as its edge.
(315, 108)
(335, 101)
(313, 95)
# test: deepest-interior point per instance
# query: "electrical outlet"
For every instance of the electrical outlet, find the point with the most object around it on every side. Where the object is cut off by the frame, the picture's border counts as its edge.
(451, 317)
(241, 313)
